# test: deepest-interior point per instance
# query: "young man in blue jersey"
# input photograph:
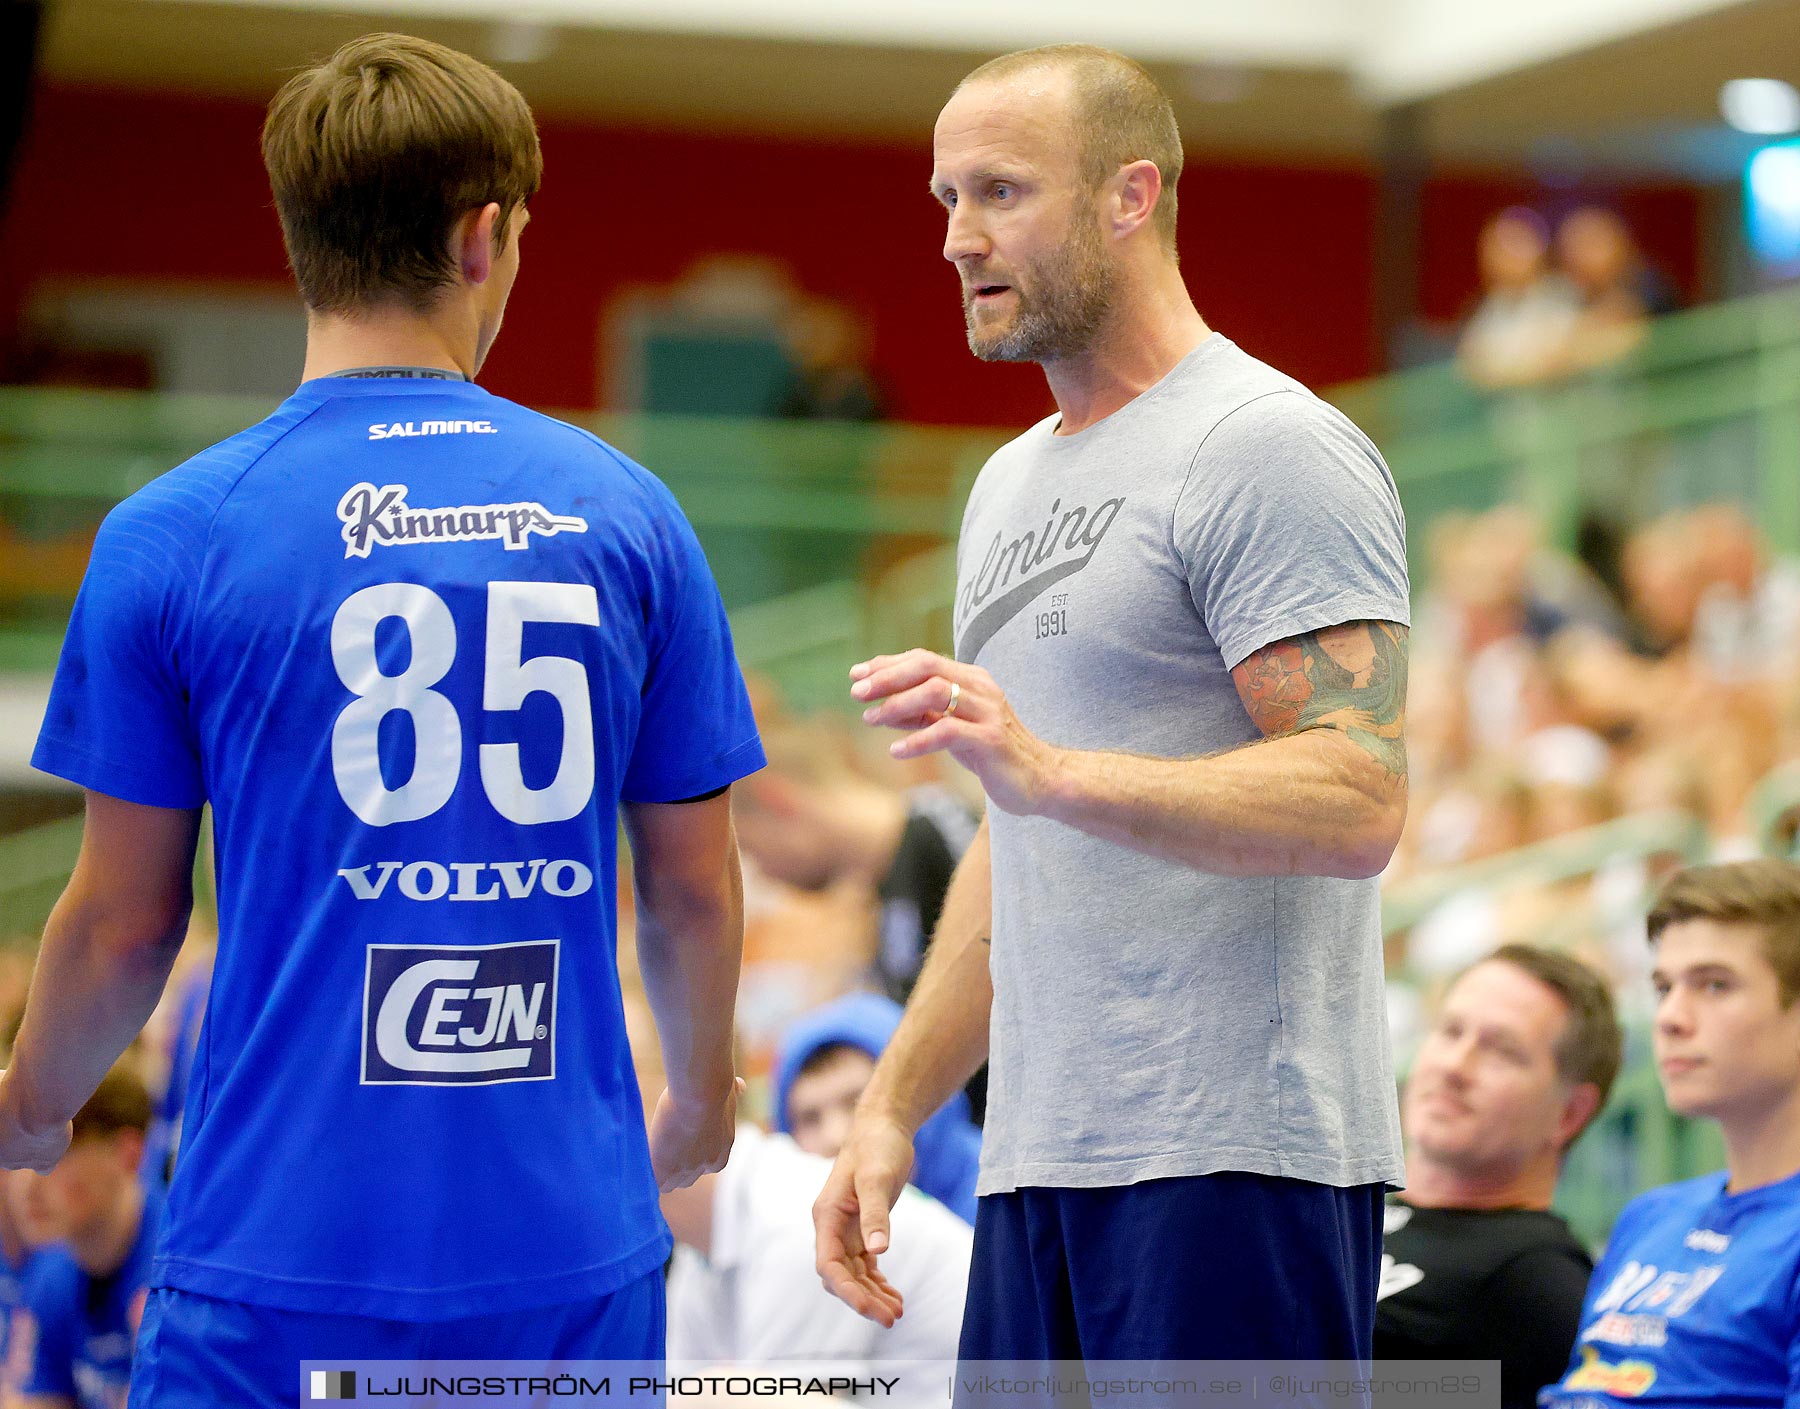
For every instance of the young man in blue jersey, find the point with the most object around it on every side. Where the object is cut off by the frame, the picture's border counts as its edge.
(84, 1295)
(416, 645)
(1697, 1299)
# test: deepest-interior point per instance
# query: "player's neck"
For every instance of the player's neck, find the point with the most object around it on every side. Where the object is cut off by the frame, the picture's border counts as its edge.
(1153, 325)
(101, 1248)
(1763, 1147)
(390, 337)
(1430, 1184)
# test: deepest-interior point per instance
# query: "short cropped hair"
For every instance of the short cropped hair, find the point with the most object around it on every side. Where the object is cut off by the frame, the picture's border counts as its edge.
(1764, 893)
(120, 1102)
(1120, 115)
(374, 154)
(1592, 1045)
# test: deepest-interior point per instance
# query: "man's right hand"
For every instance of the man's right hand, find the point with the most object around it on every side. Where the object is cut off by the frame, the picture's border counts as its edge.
(688, 1140)
(850, 1217)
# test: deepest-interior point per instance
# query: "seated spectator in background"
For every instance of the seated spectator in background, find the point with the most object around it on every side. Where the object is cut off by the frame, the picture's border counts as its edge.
(85, 1295)
(24, 1231)
(1619, 292)
(1697, 1299)
(742, 1287)
(1520, 330)
(1474, 1264)
(824, 1062)
(810, 820)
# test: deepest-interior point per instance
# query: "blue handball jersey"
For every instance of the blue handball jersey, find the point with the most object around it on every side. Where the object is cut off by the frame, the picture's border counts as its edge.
(414, 643)
(1696, 1303)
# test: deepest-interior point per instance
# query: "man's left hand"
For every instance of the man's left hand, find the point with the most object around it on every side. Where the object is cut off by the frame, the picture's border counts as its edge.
(949, 707)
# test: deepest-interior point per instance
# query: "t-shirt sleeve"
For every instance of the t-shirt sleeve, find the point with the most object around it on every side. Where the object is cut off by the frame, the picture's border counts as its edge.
(1533, 1312)
(696, 733)
(1289, 522)
(118, 720)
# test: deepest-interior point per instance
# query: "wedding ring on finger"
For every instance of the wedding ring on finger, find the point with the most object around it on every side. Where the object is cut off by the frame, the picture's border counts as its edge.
(955, 698)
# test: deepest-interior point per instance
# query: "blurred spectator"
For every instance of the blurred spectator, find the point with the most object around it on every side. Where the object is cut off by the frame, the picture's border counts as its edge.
(743, 1288)
(810, 820)
(1475, 1265)
(1693, 1302)
(85, 1296)
(1520, 331)
(1618, 291)
(25, 1228)
(823, 1064)
(831, 380)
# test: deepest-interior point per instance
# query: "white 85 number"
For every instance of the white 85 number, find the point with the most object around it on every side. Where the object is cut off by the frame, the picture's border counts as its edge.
(437, 732)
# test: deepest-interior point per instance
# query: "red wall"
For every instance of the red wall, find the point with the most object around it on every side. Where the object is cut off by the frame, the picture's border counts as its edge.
(163, 187)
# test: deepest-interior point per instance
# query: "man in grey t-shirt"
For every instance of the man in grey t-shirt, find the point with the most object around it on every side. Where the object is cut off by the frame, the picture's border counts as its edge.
(1180, 675)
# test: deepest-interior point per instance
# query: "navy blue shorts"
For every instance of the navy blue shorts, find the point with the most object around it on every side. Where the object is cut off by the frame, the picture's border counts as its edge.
(1226, 1266)
(194, 1352)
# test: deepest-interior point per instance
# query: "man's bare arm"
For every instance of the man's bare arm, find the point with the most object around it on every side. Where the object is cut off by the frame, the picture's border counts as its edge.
(941, 1042)
(1323, 794)
(942, 1039)
(690, 938)
(106, 955)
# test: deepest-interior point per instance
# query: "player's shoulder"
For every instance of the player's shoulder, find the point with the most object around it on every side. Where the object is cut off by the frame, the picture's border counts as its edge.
(1668, 1208)
(175, 510)
(582, 452)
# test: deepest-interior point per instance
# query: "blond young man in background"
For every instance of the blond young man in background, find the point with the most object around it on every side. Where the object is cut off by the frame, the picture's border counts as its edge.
(1696, 1301)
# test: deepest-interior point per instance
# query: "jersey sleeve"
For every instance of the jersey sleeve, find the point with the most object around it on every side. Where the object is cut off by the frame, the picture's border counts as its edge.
(1289, 522)
(118, 720)
(696, 733)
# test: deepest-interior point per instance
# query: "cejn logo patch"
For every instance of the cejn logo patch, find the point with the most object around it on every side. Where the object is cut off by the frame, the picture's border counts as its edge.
(464, 1015)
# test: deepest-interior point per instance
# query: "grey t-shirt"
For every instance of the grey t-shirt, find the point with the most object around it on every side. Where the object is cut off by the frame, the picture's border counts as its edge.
(1151, 1020)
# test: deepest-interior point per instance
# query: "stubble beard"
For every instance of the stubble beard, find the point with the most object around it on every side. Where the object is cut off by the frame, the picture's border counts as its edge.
(1072, 294)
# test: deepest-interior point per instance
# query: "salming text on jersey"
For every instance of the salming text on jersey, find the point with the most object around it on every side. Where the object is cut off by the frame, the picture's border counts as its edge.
(382, 516)
(397, 429)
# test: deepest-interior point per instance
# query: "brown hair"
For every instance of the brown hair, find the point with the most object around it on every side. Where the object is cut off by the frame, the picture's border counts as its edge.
(1120, 115)
(1764, 893)
(1592, 1045)
(120, 1102)
(374, 154)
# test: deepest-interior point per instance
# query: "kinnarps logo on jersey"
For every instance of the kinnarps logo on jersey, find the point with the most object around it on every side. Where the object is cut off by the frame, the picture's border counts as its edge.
(470, 1015)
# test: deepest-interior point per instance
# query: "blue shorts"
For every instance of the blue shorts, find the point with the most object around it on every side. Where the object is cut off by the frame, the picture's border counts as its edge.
(1228, 1266)
(194, 1352)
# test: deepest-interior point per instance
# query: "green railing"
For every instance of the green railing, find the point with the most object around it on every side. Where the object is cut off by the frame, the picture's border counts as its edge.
(1708, 407)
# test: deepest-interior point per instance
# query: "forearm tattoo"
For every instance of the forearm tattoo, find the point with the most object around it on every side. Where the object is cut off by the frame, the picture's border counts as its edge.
(1351, 678)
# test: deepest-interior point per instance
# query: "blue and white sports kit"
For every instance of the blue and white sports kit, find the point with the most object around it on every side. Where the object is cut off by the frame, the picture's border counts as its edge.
(1696, 1303)
(414, 643)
